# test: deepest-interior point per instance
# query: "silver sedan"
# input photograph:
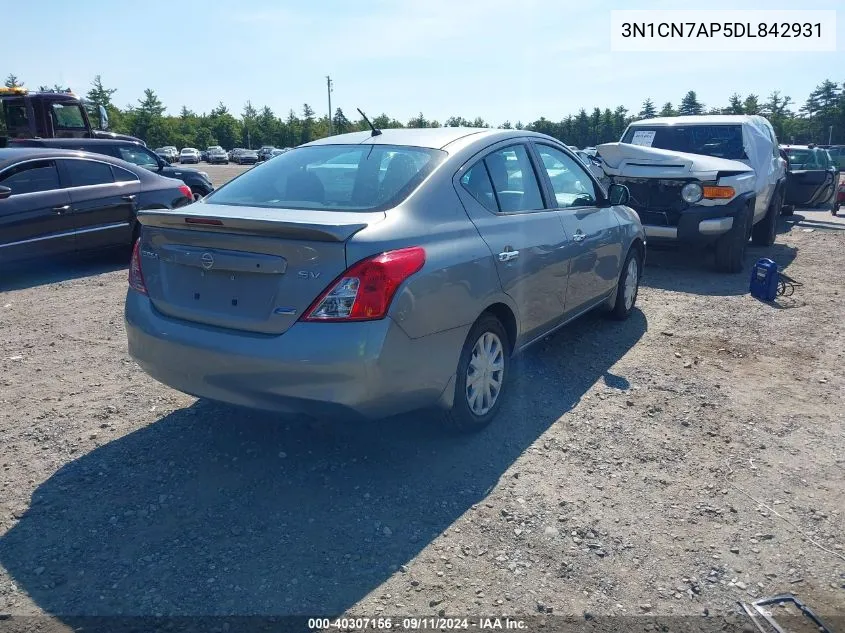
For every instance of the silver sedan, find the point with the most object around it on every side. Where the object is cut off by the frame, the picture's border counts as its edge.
(375, 273)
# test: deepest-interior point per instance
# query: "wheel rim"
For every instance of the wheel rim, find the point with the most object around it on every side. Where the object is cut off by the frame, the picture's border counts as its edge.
(197, 197)
(632, 276)
(485, 373)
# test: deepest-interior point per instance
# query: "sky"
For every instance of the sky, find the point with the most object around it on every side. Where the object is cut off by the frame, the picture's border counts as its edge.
(513, 60)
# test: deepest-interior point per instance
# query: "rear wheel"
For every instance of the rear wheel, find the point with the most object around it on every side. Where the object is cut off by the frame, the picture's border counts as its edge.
(481, 376)
(765, 231)
(787, 209)
(730, 248)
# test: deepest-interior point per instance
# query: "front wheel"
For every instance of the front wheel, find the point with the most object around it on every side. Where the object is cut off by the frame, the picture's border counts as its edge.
(628, 286)
(481, 376)
(730, 248)
(765, 231)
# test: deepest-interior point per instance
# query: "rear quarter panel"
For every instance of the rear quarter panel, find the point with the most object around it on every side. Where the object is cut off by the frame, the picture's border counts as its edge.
(458, 280)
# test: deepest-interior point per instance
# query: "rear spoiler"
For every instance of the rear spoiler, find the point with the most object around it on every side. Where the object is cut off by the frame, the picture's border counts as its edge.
(267, 226)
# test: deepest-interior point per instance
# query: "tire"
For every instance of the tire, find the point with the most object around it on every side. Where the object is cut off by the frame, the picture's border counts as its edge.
(464, 417)
(631, 274)
(765, 231)
(787, 209)
(730, 248)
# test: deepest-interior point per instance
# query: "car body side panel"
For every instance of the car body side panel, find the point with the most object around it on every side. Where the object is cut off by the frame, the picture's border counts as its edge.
(31, 227)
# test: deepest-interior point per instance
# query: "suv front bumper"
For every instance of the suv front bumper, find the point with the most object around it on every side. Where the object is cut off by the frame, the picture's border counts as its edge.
(699, 224)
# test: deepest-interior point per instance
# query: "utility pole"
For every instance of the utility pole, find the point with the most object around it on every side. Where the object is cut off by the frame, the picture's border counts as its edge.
(830, 135)
(329, 89)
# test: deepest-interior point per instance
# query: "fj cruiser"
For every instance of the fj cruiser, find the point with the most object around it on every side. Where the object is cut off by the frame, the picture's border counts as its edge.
(25, 114)
(704, 180)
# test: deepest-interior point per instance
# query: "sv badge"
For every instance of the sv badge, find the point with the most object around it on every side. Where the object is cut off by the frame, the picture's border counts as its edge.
(308, 274)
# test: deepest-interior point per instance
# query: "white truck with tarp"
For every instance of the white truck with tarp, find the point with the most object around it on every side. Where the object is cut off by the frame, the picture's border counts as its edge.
(714, 180)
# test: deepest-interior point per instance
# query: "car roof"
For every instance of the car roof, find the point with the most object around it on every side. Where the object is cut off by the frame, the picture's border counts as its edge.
(701, 119)
(105, 142)
(11, 155)
(431, 138)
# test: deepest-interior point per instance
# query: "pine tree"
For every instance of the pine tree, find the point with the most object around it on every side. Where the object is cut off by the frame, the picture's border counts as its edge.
(690, 104)
(668, 110)
(12, 81)
(648, 111)
(99, 94)
(735, 105)
(751, 105)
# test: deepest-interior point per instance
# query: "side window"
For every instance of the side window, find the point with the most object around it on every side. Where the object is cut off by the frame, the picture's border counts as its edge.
(40, 175)
(477, 182)
(87, 172)
(514, 180)
(138, 156)
(123, 175)
(570, 182)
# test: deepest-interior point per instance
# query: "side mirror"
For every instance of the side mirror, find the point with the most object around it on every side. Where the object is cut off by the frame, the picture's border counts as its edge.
(5, 192)
(104, 118)
(618, 194)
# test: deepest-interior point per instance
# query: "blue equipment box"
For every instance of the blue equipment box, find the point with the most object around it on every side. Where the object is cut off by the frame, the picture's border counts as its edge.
(764, 280)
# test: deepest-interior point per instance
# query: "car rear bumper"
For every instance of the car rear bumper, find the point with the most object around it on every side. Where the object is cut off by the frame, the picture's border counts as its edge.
(366, 369)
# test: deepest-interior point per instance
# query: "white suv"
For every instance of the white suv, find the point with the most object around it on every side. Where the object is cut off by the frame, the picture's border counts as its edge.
(704, 180)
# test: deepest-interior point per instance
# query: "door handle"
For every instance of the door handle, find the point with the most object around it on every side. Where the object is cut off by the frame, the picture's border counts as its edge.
(579, 236)
(508, 256)
(128, 197)
(60, 210)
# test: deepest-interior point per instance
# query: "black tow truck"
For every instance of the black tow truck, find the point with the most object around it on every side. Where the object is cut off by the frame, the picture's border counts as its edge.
(27, 115)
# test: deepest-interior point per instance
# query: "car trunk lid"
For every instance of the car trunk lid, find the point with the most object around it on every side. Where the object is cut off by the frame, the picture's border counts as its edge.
(636, 161)
(244, 268)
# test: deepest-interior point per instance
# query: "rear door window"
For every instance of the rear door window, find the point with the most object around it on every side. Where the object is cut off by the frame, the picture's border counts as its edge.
(138, 156)
(30, 177)
(84, 173)
(477, 182)
(514, 181)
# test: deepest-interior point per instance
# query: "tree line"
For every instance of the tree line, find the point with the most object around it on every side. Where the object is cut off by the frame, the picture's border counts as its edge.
(819, 120)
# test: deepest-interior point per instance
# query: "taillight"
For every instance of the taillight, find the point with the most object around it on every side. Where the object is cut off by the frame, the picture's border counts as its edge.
(186, 191)
(365, 290)
(136, 276)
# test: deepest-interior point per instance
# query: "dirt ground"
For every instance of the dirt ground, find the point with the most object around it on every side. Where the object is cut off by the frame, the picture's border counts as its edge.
(672, 465)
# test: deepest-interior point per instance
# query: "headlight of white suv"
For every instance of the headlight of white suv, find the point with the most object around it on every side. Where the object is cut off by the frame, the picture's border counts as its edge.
(692, 192)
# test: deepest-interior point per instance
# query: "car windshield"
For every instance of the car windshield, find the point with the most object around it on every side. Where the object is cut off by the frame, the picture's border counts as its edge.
(333, 177)
(720, 141)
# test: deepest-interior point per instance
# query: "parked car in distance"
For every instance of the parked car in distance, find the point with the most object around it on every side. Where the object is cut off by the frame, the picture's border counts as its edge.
(840, 198)
(278, 152)
(265, 152)
(189, 155)
(218, 156)
(204, 155)
(172, 153)
(233, 152)
(163, 154)
(246, 157)
(132, 152)
(58, 202)
(812, 178)
(375, 274)
(712, 180)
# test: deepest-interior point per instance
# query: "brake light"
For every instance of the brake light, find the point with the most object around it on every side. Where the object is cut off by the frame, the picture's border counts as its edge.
(136, 276)
(364, 292)
(719, 193)
(186, 191)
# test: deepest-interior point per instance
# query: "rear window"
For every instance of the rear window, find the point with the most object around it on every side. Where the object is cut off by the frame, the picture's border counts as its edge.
(326, 177)
(720, 141)
(799, 157)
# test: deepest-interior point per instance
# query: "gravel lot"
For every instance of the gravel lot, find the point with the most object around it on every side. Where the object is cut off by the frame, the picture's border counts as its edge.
(671, 465)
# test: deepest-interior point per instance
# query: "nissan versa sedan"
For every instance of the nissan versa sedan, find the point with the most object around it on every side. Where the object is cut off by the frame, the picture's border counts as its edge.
(377, 272)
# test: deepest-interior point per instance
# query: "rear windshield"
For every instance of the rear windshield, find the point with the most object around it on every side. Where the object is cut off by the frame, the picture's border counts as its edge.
(326, 177)
(720, 141)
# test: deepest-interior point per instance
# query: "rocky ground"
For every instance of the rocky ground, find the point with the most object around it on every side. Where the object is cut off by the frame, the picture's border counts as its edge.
(674, 464)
